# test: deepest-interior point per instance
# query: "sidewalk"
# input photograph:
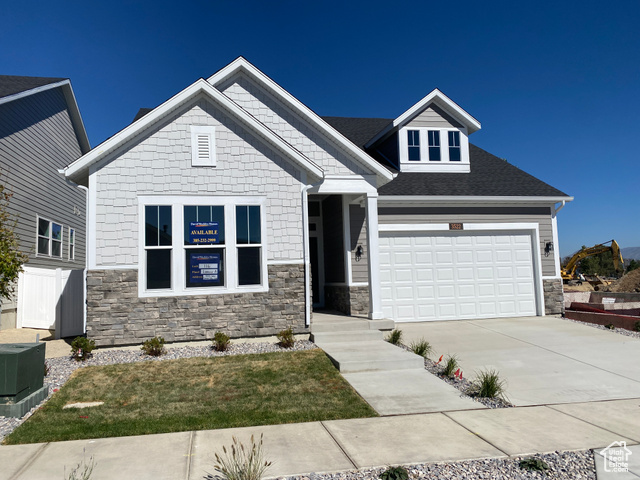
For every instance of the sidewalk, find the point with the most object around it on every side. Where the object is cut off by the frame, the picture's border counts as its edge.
(340, 445)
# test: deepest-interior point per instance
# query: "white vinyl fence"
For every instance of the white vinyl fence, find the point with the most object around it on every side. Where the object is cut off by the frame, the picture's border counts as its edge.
(51, 299)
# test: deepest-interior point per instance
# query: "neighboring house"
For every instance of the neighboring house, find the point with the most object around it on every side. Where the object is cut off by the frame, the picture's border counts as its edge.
(41, 131)
(234, 207)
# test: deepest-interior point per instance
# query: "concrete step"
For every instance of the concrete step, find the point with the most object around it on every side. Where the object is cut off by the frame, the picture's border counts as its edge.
(321, 338)
(351, 325)
(371, 356)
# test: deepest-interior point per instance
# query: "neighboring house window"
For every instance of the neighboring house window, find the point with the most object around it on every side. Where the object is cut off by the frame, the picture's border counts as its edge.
(454, 146)
(158, 242)
(248, 239)
(49, 238)
(434, 145)
(413, 142)
(203, 146)
(72, 244)
(196, 245)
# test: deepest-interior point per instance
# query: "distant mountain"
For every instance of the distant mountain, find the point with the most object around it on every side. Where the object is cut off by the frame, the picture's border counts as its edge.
(630, 252)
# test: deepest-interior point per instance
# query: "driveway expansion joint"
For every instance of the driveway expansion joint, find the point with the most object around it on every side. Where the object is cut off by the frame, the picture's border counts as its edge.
(474, 433)
(346, 454)
(30, 462)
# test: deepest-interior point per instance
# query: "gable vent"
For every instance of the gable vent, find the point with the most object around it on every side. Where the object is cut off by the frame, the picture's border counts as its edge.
(203, 152)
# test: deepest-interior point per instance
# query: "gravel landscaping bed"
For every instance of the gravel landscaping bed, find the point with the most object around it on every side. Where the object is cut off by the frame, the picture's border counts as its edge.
(462, 384)
(562, 465)
(621, 331)
(60, 369)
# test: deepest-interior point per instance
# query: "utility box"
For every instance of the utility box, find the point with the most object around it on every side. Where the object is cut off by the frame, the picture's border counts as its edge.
(21, 377)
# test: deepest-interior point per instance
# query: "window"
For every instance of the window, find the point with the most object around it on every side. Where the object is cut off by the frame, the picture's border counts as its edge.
(158, 241)
(72, 244)
(196, 245)
(248, 239)
(434, 145)
(413, 143)
(49, 238)
(203, 227)
(454, 146)
(203, 146)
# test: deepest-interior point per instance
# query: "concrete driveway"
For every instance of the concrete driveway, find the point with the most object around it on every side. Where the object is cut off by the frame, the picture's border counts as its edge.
(545, 360)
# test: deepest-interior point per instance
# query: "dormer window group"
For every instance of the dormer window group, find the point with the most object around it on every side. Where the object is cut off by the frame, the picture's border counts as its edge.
(433, 149)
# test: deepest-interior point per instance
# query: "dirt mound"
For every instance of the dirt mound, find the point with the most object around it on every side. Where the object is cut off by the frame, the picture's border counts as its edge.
(629, 283)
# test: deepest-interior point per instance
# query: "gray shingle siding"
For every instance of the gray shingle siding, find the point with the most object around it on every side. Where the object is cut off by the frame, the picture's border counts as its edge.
(36, 139)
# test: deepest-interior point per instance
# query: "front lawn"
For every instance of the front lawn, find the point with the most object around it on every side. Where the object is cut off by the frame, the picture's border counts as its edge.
(195, 394)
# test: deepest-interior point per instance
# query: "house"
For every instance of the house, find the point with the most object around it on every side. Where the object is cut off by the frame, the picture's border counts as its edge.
(232, 206)
(41, 131)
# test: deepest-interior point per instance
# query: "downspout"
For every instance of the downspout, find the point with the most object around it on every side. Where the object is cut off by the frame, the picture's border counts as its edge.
(86, 247)
(560, 207)
(306, 254)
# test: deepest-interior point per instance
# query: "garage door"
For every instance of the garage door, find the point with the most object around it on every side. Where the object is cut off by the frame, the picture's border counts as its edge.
(456, 276)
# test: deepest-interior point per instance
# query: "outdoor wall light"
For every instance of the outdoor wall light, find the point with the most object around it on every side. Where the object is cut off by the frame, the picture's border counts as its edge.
(548, 248)
(358, 253)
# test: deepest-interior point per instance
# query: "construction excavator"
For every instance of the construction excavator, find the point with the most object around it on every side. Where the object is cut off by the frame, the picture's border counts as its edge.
(568, 272)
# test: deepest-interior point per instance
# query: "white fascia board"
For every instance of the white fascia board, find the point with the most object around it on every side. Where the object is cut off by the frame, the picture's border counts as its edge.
(470, 200)
(197, 88)
(440, 99)
(242, 64)
(72, 104)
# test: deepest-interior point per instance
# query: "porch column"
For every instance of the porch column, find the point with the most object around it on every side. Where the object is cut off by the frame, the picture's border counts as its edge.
(375, 300)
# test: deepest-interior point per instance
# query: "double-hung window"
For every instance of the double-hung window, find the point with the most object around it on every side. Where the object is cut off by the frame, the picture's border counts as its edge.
(413, 144)
(203, 245)
(158, 243)
(434, 145)
(454, 146)
(72, 244)
(49, 238)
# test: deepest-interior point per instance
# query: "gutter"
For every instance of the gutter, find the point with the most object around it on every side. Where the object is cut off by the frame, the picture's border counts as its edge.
(449, 199)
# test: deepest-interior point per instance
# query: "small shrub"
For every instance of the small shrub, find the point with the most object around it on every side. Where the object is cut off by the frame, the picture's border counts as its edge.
(153, 347)
(421, 347)
(636, 326)
(286, 338)
(488, 384)
(240, 463)
(451, 364)
(533, 464)
(395, 473)
(221, 342)
(82, 471)
(394, 337)
(610, 326)
(81, 348)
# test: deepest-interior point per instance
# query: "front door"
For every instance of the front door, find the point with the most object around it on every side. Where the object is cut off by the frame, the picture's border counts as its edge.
(316, 253)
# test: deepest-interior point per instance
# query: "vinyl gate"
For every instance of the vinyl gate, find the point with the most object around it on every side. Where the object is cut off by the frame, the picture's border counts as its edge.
(51, 299)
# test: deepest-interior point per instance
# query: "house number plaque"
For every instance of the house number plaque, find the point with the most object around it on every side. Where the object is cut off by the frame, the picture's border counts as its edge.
(455, 226)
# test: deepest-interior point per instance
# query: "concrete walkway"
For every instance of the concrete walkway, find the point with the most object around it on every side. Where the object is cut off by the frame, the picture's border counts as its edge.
(392, 380)
(338, 445)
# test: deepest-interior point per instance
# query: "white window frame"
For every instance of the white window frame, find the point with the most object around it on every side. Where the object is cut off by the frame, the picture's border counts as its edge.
(71, 247)
(49, 238)
(426, 165)
(178, 267)
(200, 133)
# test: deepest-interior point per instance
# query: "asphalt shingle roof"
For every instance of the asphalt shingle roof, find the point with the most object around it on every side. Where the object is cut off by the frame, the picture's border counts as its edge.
(141, 113)
(12, 84)
(489, 176)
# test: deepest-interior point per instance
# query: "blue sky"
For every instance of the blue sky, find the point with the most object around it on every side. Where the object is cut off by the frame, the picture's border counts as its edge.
(556, 85)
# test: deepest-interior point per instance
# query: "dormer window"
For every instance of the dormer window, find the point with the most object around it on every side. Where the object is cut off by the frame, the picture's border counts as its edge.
(413, 142)
(434, 145)
(454, 146)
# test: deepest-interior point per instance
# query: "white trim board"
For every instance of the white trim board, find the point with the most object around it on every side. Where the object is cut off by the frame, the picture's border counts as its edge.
(241, 64)
(79, 168)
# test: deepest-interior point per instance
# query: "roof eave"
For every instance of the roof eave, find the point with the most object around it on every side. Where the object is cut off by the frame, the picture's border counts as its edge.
(461, 199)
(79, 169)
(242, 64)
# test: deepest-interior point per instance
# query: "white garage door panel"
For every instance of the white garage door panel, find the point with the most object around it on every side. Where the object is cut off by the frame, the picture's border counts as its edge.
(456, 276)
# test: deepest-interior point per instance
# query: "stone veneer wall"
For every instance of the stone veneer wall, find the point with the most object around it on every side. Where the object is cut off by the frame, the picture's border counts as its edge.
(553, 296)
(117, 316)
(348, 300)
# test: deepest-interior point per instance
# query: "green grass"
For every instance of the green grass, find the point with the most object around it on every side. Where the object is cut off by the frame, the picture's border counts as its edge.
(195, 394)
